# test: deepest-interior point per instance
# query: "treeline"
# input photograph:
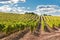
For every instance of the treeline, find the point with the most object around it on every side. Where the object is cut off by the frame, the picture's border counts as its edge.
(46, 15)
(36, 13)
(30, 13)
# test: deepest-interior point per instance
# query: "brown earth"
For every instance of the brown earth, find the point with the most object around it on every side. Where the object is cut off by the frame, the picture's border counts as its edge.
(29, 36)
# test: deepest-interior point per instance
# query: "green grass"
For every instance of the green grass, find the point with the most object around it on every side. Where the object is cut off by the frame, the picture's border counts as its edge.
(10, 22)
(52, 20)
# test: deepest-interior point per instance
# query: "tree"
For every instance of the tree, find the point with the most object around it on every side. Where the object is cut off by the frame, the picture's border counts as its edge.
(30, 13)
(46, 15)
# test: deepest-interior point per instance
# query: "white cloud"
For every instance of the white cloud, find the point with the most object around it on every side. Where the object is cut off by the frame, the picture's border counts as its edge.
(12, 1)
(12, 6)
(5, 8)
(5, 2)
(47, 9)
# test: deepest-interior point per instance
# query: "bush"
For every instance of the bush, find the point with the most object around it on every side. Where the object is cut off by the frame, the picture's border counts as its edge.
(8, 29)
(1, 27)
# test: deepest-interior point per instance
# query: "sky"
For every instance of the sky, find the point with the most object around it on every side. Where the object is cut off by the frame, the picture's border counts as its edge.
(37, 6)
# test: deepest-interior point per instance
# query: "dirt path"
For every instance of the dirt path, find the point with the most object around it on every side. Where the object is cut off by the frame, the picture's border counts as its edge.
(16, 35)
(45, 36)
(29, 36)
(49, 36)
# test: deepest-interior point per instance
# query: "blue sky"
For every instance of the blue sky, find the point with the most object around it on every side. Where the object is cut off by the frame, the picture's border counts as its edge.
(30, 5)
(34, 3)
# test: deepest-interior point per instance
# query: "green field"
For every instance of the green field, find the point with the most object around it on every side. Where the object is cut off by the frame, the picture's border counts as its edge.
(52, 20)
(10, 22)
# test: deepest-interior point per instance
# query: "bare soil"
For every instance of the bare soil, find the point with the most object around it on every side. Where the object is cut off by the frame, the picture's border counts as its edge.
(29, 36)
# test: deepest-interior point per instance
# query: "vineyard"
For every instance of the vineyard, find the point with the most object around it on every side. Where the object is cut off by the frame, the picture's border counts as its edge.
(29, 27)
